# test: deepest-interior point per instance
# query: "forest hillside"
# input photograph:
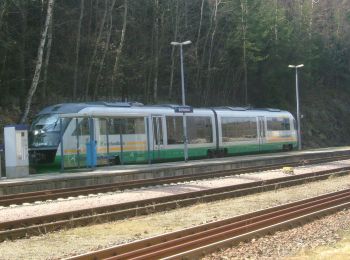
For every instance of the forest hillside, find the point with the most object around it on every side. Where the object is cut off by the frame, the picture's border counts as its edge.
(73, 51)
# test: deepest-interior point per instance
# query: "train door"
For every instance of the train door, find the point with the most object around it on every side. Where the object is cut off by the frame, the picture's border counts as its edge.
(105, 129)
(262, 133)
(75, 145)
(81, 131)
(158, 137)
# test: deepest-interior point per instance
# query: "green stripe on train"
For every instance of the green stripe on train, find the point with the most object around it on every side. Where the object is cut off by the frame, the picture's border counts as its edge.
(139, 157)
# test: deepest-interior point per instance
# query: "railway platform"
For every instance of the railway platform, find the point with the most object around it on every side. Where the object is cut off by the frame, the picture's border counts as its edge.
(121, 173)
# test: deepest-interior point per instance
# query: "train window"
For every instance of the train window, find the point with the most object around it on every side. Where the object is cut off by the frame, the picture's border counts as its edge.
(82, 128)
(199, 130)
(125, 125)
(103, 123)
(278, 123)
(134, 125)
(174, 129)
(238, 129)
(114, 126)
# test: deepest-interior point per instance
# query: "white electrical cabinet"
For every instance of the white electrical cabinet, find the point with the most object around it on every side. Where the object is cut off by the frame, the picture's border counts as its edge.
(16, 151)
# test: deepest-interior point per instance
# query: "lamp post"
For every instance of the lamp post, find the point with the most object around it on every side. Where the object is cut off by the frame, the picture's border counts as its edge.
(296, 67)
(183, 95)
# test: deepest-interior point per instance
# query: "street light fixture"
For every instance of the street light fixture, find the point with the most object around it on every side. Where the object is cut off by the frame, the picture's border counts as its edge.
(183, 96)
(296, 67)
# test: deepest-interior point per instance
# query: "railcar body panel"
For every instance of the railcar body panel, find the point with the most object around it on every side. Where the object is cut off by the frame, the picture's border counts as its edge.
(127, 134)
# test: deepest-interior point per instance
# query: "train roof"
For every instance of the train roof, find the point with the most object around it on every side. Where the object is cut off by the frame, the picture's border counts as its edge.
(66, 108)
(71, 108)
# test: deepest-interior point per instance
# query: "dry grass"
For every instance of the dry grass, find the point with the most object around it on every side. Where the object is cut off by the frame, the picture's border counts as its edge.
(83, 239)
(338, 251)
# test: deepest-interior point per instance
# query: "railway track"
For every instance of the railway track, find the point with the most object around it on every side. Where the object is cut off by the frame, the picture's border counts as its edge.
(30, 197)
(194, 242)
(47, 223)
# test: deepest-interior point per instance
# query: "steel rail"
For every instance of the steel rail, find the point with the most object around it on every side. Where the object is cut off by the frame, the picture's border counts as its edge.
(195, 241)
(47, 223)
(29, 197)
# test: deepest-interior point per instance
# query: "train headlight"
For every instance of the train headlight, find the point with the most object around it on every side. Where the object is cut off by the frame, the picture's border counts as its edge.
(37, 132)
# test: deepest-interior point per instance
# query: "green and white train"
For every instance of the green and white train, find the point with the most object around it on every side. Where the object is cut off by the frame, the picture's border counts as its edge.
(130, 133)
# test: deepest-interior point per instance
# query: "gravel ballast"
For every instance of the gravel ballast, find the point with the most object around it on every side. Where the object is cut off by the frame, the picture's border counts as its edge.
(81, 240)
(284, 244)
(17, 212)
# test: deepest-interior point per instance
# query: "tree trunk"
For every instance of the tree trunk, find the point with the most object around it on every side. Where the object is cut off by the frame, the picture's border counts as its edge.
(36, 77)
(22, 53)
(47, 59)
(313, 2)
(244, 8)
(198, 39)
(176, 29)
(89, 23)
(200, 64)
(2, 12)
(199, 30)
(77, 48)
(276, 21)
(93, 57)
(106, 48)
(119, 50)
(217, 3)
(156, 51)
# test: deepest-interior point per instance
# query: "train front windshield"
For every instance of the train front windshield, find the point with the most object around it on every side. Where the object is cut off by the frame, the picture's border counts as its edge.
(45, 131)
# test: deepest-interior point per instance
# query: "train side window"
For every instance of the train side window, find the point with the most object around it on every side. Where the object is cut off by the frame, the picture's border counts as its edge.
(238, 129)
(174, 129)
(114, 126)
(278, 123)
(126, 126)
(135, 125)
(199, 130)
(103, 123)
(82, 128)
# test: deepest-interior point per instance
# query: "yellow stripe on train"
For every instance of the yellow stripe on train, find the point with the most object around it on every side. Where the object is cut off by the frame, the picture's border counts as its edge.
(111, 149)
(281, 139)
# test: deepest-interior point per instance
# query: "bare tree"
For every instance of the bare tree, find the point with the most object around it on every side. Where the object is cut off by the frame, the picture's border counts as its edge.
(276, 21)
(120, 48)
(38, 66)
(199, 30)
(102, 60)
(93, 57)
(215, 21)
(156, 50)
(23, 9)
(77, 48)
(311, 18)
(4, 57)
(176, 29)
(244, 16)
(2, 12)
(47, 58)
(204, 53)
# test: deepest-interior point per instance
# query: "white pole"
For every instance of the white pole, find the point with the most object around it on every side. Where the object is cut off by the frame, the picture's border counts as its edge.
(298, 107)
(183, 103)
(184, 122)
(297, 99)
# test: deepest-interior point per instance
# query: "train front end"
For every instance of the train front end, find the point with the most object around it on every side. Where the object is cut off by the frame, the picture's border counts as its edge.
(44, 139)
(45, 135)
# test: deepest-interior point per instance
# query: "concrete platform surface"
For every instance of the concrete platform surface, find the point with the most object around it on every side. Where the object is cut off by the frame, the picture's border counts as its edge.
(119, 173)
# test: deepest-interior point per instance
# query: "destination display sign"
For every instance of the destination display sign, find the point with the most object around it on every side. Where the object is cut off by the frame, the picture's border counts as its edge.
(183, 109)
